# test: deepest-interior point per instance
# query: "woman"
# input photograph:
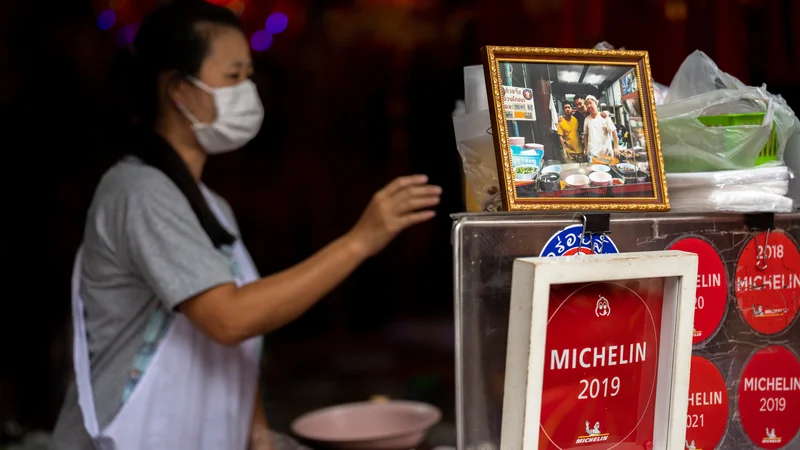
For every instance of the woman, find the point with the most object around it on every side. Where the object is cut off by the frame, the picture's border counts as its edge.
(167, 305)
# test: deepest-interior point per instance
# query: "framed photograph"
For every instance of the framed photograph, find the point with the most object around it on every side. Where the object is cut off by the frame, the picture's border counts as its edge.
(575, 129)
(622, 381)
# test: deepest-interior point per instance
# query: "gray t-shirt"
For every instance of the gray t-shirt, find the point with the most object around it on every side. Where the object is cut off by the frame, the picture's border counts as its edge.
(143, 246)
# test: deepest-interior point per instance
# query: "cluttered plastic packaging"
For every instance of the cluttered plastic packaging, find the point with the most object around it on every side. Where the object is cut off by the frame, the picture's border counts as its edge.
(711, 121)
(724, 142)
(473, 125)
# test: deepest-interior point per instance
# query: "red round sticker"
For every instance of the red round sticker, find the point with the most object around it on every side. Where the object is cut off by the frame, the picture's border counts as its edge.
(712, 287)
(599, 383)
(769, 397)
(768, 282)
(707, 418)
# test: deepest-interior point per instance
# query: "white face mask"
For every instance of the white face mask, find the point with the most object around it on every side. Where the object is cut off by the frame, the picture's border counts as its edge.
(239, 117)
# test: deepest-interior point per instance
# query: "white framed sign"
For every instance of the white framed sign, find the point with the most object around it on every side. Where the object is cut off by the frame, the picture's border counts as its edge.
(599, 352)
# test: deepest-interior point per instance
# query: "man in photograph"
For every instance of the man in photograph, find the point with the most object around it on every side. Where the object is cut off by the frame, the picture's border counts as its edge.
(599, 133)
(580, 112)
(568, 127)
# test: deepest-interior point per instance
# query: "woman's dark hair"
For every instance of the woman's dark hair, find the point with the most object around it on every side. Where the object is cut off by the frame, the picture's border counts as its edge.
(173, 38)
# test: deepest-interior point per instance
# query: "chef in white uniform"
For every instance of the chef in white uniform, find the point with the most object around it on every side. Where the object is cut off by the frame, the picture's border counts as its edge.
(599, 132)
(168, 308)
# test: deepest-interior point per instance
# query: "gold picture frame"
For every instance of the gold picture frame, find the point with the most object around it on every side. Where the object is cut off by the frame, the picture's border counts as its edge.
(620, 137)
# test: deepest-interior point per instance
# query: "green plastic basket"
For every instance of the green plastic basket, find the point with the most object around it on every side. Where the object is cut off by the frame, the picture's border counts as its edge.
(768, 153)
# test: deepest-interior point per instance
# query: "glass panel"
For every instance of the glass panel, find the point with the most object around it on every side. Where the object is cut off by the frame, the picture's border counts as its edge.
(485, 246)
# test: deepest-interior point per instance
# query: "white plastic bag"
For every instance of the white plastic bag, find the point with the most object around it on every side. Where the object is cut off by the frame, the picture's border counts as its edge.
(698, 75)
(700, 89)
(791, 157)
(475, 95)
(472, 126)
(476, 147)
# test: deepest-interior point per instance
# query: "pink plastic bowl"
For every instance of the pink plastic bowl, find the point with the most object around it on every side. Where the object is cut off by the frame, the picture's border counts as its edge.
(392, 425)
(600, 178)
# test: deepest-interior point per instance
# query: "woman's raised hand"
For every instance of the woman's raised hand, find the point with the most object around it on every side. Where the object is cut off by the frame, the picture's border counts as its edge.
(404, 202)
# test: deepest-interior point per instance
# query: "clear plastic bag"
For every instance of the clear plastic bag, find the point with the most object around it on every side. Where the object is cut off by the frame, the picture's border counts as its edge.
(791, 157)
(698, 75)
(476, 147)
(701, 89)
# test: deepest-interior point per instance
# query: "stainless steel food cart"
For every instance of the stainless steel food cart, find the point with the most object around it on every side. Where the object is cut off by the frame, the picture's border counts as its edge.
(484, 247)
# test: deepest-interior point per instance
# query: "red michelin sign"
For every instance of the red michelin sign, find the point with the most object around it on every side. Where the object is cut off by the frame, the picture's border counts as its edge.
(768, 283)
(707, 418)
(712, 287)
(769, 397)
(601, 365)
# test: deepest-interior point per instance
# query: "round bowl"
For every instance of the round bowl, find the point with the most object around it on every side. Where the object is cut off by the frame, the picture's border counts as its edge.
(577, 180)
(617, 181)
(549, 182)
(392, 425)
(626, 168)
(552, 169)
(525, 176)
(600, 178)
(520, 141)
(643, 166)
(599, 168)
(534, 147)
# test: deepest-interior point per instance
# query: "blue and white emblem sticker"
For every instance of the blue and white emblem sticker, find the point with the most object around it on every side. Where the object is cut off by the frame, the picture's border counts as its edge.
(566, 243)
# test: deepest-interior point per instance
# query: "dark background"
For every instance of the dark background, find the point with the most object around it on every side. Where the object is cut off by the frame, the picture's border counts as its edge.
(356, 93)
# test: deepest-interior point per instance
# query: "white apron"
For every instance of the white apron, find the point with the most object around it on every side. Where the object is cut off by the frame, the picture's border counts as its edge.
(195, 394)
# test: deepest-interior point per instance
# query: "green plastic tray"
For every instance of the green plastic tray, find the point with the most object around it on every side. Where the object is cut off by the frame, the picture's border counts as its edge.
(768, 153)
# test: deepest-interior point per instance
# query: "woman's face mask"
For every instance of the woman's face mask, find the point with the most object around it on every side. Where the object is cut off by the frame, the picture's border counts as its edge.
(238, 119)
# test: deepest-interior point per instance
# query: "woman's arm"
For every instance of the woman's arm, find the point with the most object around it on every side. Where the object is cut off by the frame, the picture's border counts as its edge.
(231, 315)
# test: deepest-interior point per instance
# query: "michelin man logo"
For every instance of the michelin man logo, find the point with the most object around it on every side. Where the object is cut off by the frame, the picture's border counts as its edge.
(593, 435)
(593, 431)
(771, 437)
(759, 311)
(603, 308)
